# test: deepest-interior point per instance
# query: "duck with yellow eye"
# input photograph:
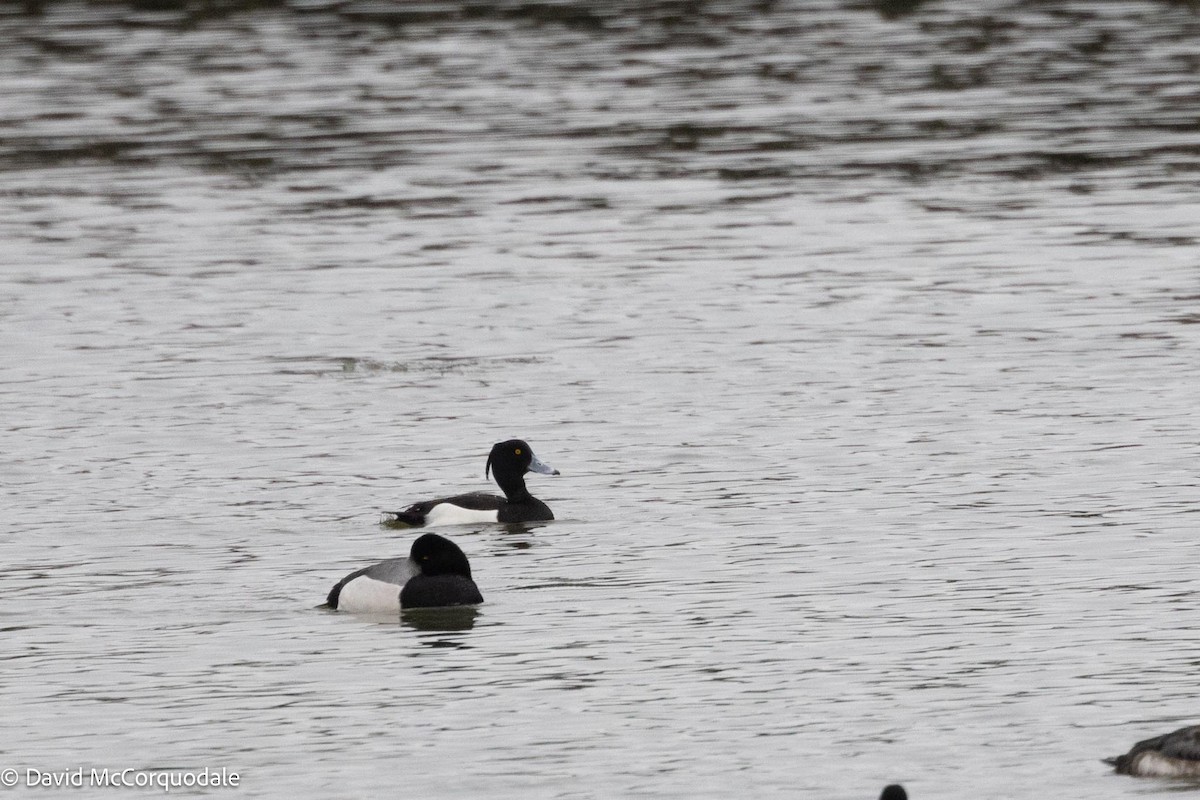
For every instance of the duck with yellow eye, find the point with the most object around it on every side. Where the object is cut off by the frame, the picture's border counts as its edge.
(436, 574)
(508, 463)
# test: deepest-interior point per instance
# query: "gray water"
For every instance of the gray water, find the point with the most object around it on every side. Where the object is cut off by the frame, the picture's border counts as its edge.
(865, 341)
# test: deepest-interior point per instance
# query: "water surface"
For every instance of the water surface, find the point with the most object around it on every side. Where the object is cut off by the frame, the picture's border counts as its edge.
(864, 338)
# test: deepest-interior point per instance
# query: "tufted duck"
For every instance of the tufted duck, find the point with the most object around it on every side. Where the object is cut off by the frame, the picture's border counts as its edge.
(508, 462)
(1172, 755)
(435, 574)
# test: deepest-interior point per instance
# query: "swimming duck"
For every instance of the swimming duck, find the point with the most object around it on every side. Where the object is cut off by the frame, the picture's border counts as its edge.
(435, 574)
(508, 462)
(894, 792)
(1172, 755)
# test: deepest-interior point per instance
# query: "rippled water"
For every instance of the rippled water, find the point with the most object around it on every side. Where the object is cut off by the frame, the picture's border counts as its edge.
(865, 339)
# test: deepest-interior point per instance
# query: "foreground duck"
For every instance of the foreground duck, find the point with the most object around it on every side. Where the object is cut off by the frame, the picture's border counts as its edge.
(894, 792)
(508, 463)
(435, 574)
(1172, 755)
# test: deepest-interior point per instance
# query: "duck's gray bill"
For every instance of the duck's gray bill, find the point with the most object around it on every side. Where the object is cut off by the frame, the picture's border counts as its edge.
(537, 465)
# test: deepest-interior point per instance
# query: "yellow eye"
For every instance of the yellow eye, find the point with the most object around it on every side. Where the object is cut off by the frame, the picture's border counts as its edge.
(517, 451)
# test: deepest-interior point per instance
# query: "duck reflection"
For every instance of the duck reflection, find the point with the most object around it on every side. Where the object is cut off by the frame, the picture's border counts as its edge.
(447, 618)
